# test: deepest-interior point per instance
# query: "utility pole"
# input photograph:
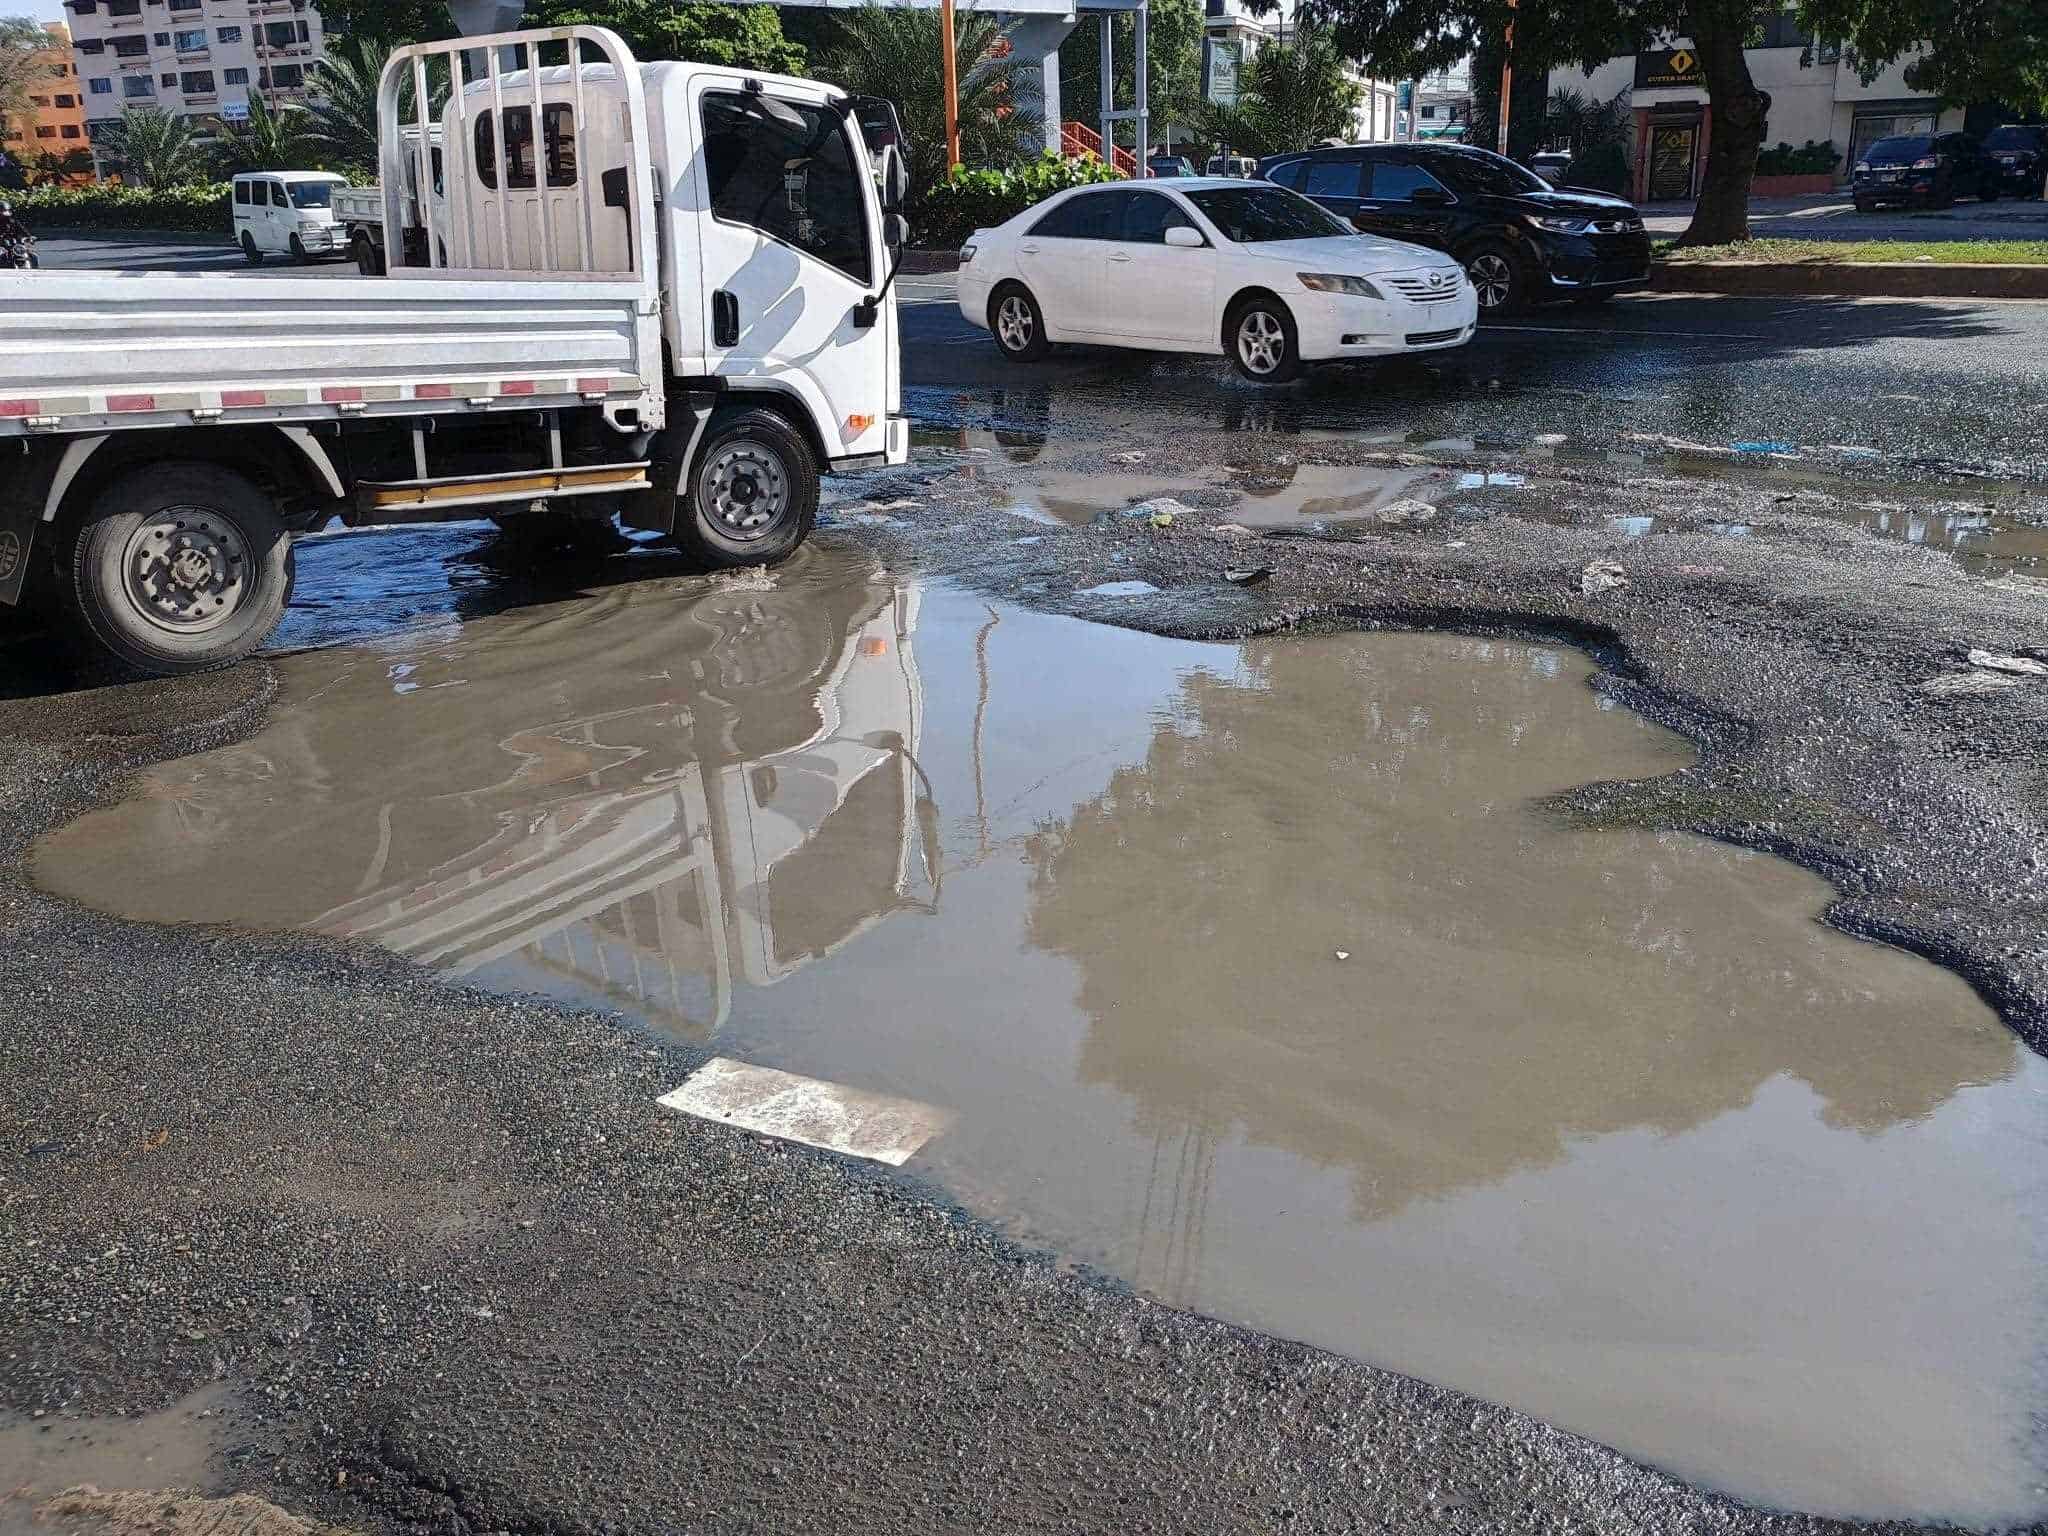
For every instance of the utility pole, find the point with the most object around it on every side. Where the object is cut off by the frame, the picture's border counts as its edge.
(1507, 81)
(952, 84)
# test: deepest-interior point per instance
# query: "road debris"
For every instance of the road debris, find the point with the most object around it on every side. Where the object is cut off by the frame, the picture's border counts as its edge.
(1249, 576)
(1602, 576)
(2025, 666)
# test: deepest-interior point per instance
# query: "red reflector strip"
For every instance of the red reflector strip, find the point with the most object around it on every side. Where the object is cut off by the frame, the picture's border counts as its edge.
(233, 397)
(434, 392)
(337, 393)
(131, 402)
(516, 387)
(593, 386)
(18, 407)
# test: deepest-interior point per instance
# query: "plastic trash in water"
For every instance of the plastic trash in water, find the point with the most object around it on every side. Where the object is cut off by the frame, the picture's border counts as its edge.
(1765, 447)
(1472, 480)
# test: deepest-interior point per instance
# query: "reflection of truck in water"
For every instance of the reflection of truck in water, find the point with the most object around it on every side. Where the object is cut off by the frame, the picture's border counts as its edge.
(640, 808)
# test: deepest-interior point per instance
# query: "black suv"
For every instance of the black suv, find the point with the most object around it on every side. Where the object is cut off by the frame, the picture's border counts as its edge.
(1932, 169)
(1522, 240)
(2019, 157)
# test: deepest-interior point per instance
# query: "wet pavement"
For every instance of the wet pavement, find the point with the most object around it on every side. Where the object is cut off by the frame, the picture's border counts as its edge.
(1252, 974)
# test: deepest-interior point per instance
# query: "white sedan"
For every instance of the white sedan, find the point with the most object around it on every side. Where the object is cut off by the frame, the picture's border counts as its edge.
(1209, 265)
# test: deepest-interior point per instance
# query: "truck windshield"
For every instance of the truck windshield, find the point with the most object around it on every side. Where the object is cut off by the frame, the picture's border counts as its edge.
(1255, 215)
(790, 174)
(312, 194)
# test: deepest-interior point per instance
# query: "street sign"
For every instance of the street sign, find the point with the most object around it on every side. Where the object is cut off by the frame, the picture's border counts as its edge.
(234, 111)
(1219, 71)
(1662, 67)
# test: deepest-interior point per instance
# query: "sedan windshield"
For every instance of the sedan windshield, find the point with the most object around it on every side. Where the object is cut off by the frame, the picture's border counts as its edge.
(1481, 170)
(2013, 138)
(312, 194)
(1900, 149)
(1256, 215)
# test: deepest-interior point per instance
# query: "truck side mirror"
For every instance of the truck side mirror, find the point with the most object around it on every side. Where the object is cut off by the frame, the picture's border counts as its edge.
(895, 231)
(895, 179)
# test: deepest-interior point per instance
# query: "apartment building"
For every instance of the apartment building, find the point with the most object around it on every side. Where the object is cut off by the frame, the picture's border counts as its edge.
(197, 58)
(55, 125)
(1232, 34)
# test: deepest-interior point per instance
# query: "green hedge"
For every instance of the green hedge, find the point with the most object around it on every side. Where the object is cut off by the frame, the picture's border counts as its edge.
(1816, 157)
(205, 208)
(970, 200)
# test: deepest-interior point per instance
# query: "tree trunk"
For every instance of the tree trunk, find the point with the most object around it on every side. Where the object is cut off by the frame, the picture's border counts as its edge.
(1736, 132)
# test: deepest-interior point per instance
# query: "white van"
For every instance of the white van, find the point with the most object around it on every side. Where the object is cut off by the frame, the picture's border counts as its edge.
(288, 212)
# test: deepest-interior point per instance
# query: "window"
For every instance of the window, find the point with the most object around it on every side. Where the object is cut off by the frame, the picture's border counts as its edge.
(1782, 31)
(1429, 111)
(159, 39)
(227, 34)
(1289, 175)
(93, 47)
(196, 82)
(1086, 216)
(167, 80)
(561, 134)
(131, 48)
(83, 7)
(796, 180)
(99, 86)
(184, 5)
(68, 131)
(242, 193)
(67, 101)
(40, 101)
(46, 132)
(312, 194)
(283, 74)
(1481, 170)
(280, 34)
(1255, 215)
(234, 76)
(137, 85)
(305, 33)
(124, 7)
(1397, 181)
(1332, 178)
(1149, 215)
(192, 42)
(277, 197)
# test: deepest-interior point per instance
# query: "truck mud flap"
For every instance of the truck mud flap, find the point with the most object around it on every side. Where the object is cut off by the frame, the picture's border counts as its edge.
(17, 542)
(654, 511)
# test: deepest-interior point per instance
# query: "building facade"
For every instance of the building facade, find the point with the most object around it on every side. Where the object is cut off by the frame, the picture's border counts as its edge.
(1229, 29)
(1816, 95)
(1443, 104)
(196, 58)
(55, 127)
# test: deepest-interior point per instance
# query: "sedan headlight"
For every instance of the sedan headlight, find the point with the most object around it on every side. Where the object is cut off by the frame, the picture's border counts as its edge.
(1862, 166)
(1337, 282)
(1925, 163)
(1556, 223)
(966, 254)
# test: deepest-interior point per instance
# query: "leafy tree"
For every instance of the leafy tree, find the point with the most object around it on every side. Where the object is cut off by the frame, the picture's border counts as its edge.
(342, 124)
(1975, 48)
(737, 36)
(268, 139)
(1173, 65)
(22, 67)
(895, 53)
(1291, 94)
(154, 148)
(387, 21)
(1575, 121)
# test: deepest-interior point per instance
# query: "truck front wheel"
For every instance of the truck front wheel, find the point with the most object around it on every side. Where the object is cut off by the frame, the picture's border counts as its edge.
(752, 493)
(180, 567)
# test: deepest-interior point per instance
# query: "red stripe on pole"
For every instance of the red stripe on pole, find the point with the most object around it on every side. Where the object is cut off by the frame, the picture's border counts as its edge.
(131, 402)
(516, 387)
(18, 407)
(337, 393)
(434, 392)
(233, 397)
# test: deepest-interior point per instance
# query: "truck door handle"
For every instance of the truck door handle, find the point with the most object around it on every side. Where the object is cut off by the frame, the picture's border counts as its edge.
(1119, 255)
(725, 319)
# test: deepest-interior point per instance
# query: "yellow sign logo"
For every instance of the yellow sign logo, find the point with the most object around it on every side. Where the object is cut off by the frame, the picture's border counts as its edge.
(1681, 62)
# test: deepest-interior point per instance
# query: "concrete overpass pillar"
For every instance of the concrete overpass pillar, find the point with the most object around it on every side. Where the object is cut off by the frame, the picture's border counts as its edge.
(1035, 45)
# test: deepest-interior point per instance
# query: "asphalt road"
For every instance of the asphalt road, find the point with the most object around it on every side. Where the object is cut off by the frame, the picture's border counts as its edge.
(1834, 217)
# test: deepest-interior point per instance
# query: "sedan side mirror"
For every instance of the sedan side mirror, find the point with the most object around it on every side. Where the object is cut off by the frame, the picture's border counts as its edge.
(1187, 239)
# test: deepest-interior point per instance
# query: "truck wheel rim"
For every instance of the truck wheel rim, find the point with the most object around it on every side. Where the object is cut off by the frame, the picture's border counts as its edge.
(186, 569)
(1491, 277)
(1013, 323)
(746, 489)
(1260, 342)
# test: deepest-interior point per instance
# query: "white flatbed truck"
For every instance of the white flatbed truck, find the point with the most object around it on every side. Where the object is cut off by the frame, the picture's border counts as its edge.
(673, 302)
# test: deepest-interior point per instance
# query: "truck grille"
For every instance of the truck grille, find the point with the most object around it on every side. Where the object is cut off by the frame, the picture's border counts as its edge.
(1417, 288)
(1428, 338)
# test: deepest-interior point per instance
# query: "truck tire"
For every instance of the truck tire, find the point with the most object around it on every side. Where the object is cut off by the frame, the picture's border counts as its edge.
(369, 260)
(178, 568)
(752, 495)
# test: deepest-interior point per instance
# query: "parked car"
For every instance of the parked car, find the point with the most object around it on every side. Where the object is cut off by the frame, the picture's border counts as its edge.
(1212, 265)
(1521, 240)
(1932, 170)
(1169, 165)
(288, 211)
(1550, 164)
(2019, 155)
(1231, 165)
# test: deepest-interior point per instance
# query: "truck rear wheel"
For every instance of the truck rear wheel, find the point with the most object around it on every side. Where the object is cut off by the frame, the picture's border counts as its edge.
(752, 495)
(180, 567)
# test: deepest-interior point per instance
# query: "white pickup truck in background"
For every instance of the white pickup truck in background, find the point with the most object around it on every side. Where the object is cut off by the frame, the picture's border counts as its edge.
(673, 301)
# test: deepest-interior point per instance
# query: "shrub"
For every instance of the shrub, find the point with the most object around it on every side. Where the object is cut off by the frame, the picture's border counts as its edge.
(203, 208)
(1604, 167)
(1816, 157)
(969, 200)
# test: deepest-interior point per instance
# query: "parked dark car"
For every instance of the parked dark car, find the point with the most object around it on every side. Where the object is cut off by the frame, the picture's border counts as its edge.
(1522, 241)
(2019, 153)
(1930, 169)
(1169, 165)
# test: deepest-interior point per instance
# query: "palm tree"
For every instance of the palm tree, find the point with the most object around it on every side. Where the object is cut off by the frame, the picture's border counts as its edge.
(1291, 94)
(344, 121)
(154, 148)
(894, 53)
(268, 139)
(1579, 122)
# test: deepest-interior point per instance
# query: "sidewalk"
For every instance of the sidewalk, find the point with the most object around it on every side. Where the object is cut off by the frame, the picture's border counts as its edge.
(1832, 216)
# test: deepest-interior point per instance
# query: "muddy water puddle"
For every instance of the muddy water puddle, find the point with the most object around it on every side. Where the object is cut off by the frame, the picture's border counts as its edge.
(1248, 973)
(41, 1457)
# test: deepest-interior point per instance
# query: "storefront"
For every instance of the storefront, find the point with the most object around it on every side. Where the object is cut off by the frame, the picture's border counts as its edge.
(1671, 134)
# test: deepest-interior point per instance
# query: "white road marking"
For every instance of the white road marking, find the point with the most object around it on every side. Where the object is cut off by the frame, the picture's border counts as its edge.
(809, 1110)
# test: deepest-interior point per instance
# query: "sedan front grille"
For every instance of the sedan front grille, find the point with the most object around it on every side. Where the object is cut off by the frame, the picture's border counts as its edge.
(1430, 338)
(1417, 288)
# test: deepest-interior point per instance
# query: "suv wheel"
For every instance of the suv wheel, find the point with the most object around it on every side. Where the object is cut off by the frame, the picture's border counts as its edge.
(1499, 278)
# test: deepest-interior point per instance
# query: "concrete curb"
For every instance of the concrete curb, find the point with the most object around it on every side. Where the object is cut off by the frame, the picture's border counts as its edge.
(1880, 279)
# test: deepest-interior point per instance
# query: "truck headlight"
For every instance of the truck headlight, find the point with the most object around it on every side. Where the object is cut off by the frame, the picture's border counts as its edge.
(1337, 282)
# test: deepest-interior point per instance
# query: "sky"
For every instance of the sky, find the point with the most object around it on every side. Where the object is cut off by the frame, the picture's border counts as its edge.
(41, 10)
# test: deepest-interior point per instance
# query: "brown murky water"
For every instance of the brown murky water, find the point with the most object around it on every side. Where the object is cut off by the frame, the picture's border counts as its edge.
(39, 1458)
(1273, 495)
(1248, 973)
